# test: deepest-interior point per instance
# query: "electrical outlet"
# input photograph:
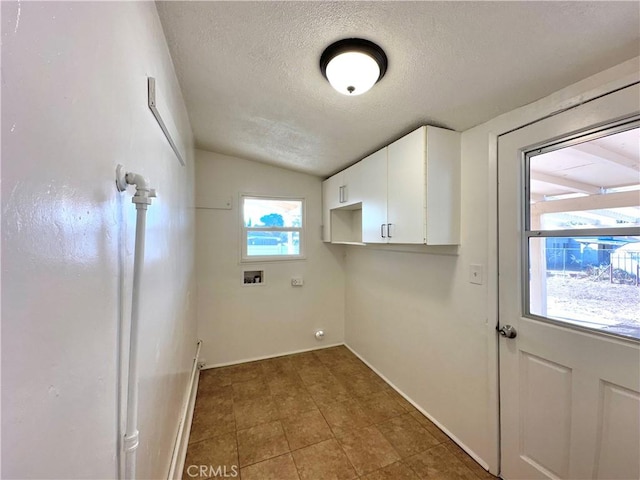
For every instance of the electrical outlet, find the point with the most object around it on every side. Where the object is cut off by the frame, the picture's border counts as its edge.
(297, 281)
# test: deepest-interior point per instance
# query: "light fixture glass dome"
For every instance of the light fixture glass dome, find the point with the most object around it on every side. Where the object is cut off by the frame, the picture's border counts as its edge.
(352, 73)
(353, 65)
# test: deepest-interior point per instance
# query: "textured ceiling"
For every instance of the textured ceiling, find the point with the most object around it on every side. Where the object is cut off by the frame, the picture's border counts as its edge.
(249, 70)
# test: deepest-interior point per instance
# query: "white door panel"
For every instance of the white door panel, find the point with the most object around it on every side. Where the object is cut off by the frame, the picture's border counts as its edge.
(569, 398)
(618, 433)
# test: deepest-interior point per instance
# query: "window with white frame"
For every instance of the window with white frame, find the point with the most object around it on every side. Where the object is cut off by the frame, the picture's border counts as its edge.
(272, 228)
(581, 236)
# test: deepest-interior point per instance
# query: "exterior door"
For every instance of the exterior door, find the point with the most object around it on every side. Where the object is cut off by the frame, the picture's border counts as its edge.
(570, 378)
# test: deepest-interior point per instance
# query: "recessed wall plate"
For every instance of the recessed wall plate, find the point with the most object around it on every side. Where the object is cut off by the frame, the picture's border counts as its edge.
(121, 181)
(476, 274)
(253, 277)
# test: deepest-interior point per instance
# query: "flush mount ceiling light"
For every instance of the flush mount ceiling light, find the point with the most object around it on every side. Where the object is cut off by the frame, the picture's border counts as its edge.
(353, 65)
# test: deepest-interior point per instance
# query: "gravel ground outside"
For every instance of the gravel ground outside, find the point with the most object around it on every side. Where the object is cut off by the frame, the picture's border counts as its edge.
(608, 306)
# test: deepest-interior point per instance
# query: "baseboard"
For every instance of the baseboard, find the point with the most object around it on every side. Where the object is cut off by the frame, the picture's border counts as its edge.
(471, 453)
(266, 357)
(184, 429)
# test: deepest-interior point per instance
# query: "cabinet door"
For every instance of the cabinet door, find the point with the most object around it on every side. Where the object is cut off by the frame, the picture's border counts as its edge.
(352, 185)
(442, 187)
(406, 198)
(373, 174)
(332, 191)
(330, 199)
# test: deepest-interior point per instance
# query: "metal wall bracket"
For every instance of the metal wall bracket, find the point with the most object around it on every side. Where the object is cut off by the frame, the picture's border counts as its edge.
(153, 106)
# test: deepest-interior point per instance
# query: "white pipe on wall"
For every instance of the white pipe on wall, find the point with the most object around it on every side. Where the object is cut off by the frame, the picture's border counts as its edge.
(141, 199)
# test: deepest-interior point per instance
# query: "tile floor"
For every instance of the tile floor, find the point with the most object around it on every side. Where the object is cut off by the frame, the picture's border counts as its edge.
(318, 415)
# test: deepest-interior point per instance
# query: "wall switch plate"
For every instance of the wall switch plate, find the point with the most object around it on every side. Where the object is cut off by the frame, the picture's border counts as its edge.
(297, 281)
(476, 274)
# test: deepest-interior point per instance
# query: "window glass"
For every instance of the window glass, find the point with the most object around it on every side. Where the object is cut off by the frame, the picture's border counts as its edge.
(272, 228)
(582, 235)
(591, 282)
(272, 213)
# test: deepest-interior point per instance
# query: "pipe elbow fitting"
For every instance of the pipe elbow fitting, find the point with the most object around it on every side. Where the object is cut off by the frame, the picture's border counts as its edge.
(138, 180)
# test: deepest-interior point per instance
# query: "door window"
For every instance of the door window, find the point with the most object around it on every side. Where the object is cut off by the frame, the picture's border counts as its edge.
(582, 231)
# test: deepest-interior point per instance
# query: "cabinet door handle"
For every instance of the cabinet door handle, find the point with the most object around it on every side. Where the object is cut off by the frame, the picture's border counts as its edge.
(343, 194)
(382, 230)
(340, 194)
(389, 230)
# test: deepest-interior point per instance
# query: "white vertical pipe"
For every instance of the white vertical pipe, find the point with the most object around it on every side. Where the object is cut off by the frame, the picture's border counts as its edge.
(141, 200)
(131, 434)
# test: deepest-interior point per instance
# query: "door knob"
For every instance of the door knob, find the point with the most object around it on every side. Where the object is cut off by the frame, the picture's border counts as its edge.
(508, 331)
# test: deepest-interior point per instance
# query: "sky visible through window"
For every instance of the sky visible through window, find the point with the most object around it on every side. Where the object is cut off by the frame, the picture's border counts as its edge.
(272, 227)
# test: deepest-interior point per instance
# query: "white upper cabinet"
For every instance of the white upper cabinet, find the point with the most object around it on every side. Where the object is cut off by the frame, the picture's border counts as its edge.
(330, 200)
(374, 197)
(352, 182)
(408, 192)
(341, 191)
(442, 186)
(332, 191)
(343, 188)
(406, 189)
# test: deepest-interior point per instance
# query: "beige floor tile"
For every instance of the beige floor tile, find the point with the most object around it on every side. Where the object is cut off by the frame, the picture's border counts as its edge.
(367, 449)
(344, 415)
(328, 391)
(395, 471)
(401, 400)
(278, 468)
(345, 369)
(244, 372)
(261, 442)
(286, 411)
(294, 404)
(250, 389)
(304, 360)
(439, 463)
(380, 406)
(315, 374)
(213, 379)
(470, 463)
(217, 454)
(329, 356)
(211, 421)
(306, 429)
(406, 435)
(323, 461)
(285, 384)
(249, 413)
(220, 399)
(430, 426)
(278, 368)
(363, 386)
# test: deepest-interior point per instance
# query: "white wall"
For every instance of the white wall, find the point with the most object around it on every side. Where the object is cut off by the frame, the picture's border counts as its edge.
(238, 322)
(417, 319)
(73, 107)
